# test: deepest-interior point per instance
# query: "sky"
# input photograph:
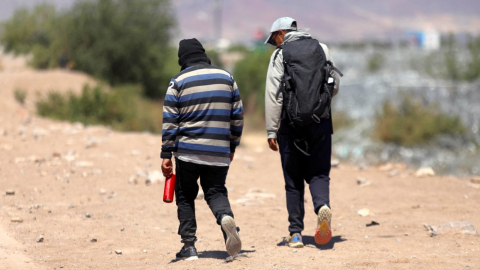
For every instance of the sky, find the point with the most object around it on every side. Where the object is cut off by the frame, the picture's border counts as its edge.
(8, 7)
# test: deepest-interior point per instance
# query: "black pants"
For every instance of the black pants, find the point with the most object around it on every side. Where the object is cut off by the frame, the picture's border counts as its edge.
(297, 167)
(212, 180)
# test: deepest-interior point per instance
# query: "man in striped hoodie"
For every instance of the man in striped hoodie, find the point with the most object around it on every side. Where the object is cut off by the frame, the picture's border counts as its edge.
(202, 126)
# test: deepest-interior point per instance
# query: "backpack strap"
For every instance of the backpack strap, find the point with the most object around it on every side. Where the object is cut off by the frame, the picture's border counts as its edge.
(296, 142)
(285, 87)
(276, 54)
(334, 68)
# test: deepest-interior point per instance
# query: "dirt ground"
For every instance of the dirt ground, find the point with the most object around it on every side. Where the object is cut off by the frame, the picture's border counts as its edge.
(83, 189)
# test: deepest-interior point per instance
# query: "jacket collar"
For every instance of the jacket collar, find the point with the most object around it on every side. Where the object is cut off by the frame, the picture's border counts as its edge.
(295, 35)
(195, 64)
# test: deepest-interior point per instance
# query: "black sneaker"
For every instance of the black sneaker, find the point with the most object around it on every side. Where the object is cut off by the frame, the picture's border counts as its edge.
(188, 254)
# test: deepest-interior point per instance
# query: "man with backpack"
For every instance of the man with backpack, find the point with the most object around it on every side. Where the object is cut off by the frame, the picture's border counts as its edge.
(202, 126)
(301, 81)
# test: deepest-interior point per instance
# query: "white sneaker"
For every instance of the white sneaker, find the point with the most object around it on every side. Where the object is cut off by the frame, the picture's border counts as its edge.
(233, 242)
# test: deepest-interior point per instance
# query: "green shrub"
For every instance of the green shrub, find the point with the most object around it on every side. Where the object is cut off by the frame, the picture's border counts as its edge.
(214, 56)
(364, 44)
(20, 96)
(238, 48)
(340, 120)
(473, 66)
(411, 123)
(250, 73)
(452, 71)
(123, 108)
(375, 62)
(447, 63)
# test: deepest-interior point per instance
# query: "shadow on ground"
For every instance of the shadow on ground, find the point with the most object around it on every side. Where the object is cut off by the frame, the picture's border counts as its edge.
(214, 254)
(310, 241)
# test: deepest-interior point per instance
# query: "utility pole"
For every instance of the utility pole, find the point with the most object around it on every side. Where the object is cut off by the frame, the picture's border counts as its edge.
(217, 19)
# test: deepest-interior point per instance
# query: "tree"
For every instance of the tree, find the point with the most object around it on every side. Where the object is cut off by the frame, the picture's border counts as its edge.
(250, 74)
(27, 28)
(120, 41)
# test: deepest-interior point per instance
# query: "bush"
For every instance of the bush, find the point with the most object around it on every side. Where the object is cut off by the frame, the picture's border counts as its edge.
(238, 48)
(123, 108)
(214, 56)
(375, 62)
(473, 66)
(250, 73)
(20, 96)
(120, 41)
(411, 123)
(340, 120)
(452, 71)
(455, 61)
(362, 45)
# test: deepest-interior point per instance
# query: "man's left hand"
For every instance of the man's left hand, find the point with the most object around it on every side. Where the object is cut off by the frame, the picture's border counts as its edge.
(272, 143)
(231, 156)
(167, 167)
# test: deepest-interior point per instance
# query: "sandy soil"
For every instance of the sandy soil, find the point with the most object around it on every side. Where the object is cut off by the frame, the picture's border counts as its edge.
(61, 172)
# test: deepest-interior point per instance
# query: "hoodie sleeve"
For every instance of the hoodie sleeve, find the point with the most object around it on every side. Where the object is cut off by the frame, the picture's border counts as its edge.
(273, 96)
(171, 118)
(334, 74)
(236, 119)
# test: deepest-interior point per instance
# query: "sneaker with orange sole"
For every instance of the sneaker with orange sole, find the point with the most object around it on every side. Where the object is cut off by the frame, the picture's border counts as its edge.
(323, 234)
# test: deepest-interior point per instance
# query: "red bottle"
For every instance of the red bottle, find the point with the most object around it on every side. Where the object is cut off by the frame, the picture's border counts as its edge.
(169, 191)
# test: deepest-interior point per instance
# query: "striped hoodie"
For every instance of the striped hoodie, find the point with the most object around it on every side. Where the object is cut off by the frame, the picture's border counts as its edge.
(202, 116)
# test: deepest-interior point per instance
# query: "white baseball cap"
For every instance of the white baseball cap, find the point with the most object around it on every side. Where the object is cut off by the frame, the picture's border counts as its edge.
(284, 23)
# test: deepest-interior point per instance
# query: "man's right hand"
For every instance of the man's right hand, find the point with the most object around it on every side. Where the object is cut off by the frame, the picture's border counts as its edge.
(167, 167)
(272, 143)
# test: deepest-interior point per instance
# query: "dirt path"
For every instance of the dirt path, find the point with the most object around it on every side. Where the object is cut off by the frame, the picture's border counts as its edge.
(11, 255)
(76, 186)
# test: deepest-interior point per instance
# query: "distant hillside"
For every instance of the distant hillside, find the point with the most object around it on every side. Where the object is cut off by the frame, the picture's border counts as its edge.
(328, 20)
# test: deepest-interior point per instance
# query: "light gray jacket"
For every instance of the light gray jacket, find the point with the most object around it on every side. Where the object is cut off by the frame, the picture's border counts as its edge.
(274, 98)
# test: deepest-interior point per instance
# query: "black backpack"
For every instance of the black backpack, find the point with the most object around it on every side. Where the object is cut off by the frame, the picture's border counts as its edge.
(307, 93)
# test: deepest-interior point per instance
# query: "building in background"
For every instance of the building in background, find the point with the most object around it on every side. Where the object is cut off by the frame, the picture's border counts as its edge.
(428, 40)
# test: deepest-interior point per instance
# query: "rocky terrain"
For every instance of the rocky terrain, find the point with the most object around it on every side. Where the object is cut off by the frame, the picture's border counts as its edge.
(77, 197)
(363, 94)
